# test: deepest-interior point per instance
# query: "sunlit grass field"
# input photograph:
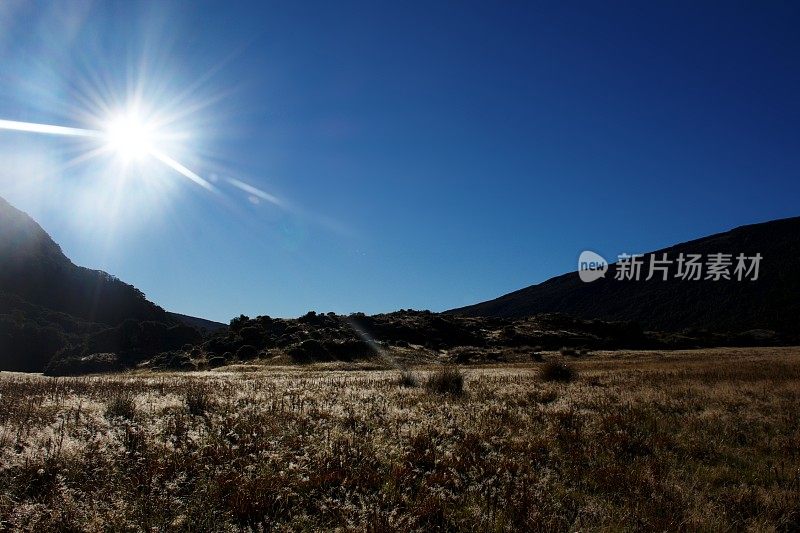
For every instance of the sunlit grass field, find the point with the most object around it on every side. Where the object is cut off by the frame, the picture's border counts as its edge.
(691, 440)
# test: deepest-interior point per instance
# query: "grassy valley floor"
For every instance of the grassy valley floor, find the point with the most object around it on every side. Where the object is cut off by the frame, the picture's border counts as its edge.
(697, 440)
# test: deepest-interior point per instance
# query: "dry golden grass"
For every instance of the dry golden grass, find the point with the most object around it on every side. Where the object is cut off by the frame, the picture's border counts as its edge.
(698, 440)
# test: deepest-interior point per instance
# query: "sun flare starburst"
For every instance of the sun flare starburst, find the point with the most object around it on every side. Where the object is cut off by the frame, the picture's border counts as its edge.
(139, 143)
(130, 137)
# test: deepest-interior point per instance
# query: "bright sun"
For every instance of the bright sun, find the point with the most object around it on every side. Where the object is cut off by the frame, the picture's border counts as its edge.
(130, 137)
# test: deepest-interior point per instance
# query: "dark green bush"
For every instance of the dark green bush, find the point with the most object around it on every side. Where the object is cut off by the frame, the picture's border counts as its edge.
(237, 323)
(251, 335)
(89, 364)
(308, 350)
(216, 361)
(246, 352)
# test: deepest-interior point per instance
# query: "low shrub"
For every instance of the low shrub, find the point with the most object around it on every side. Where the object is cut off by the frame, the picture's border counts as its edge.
(558, 371)
(447, 380)
(407, 379)
(198, 401)
(542, 396)
(121, 405)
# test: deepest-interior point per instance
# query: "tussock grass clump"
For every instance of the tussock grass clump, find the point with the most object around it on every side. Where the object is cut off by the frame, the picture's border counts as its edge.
(198, 400)
(447, 380)
(407, 379)
(121, 405)
(542, 396)
(558, 371)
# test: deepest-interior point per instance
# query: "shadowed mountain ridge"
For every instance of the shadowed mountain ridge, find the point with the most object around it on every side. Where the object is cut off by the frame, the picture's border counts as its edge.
(48, 303)
(34, 268)
(771, 302)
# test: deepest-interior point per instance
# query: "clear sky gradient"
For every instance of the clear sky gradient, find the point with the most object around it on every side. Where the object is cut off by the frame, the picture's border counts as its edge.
(414, 154)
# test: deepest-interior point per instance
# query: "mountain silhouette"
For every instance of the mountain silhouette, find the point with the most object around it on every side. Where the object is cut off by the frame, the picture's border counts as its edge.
(33, 267)
(201, 324)
(772, 302)
(47, 302)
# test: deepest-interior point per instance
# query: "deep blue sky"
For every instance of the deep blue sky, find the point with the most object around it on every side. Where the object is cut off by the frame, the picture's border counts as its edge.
(431, 154)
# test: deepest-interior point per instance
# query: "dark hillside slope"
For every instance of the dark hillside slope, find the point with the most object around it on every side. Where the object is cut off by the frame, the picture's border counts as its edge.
(48, 303)
(772, 302)
(33, 268)
(201, 324)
